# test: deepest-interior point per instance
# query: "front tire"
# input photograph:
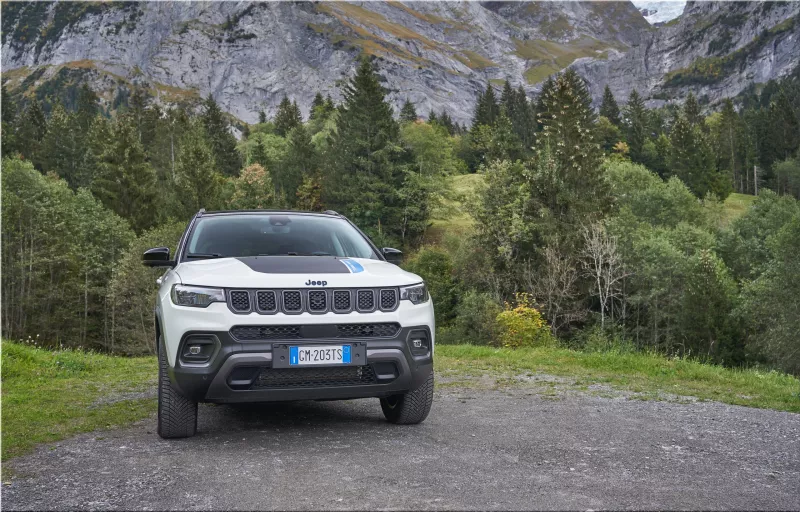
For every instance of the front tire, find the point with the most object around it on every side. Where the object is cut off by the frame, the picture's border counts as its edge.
(412, 407)
(177, 415)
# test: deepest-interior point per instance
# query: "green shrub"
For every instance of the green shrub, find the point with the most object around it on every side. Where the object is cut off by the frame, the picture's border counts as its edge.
(476, 318)
(522, 325)
(435, 266)
(596, 339)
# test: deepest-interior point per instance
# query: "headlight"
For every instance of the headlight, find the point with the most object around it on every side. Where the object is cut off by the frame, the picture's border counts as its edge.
(196, 296)
(417, 294)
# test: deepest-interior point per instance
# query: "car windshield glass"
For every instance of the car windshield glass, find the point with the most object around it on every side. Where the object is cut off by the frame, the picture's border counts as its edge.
(275, 235)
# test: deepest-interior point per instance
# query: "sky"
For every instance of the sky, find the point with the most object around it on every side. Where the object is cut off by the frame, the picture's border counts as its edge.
(666, 9)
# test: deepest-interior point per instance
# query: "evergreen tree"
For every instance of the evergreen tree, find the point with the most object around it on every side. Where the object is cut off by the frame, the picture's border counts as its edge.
(783, 132)
(317, 106)
(636, 126)
(523, 119)
(301, 161)
(197, 181)
(567, 138)
(309, 194)
(31, 131)
(609, 108)
(8, 127)
(287, 117)
(433, 118)
(88, 106)
(408, 114)
(63, 147)
(262, 117)
(692, 160)
(447, 123)
(486, 109)
(730, 145)
(691, 110)
(221, 140)
(364, 172)
(125, 182)
(136, 107)
(508, 98)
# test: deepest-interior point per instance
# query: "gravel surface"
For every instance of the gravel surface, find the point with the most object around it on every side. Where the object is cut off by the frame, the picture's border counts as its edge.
(479, 449)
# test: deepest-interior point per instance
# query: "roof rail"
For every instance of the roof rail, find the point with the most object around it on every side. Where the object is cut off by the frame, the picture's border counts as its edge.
(201, 212)
(331, 212)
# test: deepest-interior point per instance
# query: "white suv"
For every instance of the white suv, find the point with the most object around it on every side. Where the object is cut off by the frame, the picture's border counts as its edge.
(262, 306)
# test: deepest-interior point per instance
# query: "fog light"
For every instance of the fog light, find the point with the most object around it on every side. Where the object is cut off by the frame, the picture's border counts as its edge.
(419, 343)
(198, 349)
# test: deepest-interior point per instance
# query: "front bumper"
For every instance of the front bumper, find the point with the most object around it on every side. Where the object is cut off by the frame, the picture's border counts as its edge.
(391, 366)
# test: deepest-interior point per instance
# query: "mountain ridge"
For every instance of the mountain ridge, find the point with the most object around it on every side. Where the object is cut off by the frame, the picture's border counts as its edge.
(438, 55)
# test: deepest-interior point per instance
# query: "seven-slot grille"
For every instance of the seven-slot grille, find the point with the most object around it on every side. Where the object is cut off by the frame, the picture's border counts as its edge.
(240, 300)
(284, 332)
(365, 300)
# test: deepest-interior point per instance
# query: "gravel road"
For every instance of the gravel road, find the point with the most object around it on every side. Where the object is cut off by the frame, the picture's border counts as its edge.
(479, 449)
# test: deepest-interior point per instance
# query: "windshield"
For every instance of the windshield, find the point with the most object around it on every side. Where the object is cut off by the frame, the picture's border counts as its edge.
(275, 235)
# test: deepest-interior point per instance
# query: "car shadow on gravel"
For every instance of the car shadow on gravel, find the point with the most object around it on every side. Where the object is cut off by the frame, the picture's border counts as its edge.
(303, 414)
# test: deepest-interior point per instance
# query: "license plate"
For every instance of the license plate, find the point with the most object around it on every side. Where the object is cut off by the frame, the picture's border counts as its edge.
(324, 354)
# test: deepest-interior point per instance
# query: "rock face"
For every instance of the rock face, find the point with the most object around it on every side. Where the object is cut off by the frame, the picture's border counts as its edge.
(436, 54)
(715, 49)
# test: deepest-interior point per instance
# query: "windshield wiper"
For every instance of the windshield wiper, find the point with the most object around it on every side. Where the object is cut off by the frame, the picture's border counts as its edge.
(200, 255)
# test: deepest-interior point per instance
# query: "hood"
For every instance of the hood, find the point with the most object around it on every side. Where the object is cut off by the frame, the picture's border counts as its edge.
(293, 272)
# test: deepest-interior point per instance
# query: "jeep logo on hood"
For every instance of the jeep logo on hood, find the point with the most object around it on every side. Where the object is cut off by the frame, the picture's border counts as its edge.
(316, 283)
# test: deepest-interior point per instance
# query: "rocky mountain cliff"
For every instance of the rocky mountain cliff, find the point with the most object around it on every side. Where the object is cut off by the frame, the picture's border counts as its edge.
(714, 49)
(436, 54)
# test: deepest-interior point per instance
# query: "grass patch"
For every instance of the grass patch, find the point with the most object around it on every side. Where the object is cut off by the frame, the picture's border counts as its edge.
(48, 396)
(474, 60)
(735, 206)
(455, 217)
(549, 57)
(639, 372)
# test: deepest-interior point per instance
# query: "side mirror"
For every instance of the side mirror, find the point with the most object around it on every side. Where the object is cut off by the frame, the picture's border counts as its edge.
(157, 257)
(392, 255)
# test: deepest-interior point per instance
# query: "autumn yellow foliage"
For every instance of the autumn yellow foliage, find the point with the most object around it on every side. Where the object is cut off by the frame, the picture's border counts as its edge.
(522, 325)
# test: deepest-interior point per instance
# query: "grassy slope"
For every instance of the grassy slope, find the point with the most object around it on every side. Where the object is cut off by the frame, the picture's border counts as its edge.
(735, 206)
(48, 396)
(455, 216)
(651, 375)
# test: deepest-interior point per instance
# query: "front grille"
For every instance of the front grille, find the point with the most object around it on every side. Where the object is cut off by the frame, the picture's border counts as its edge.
(317, 301)
(267, 302)
(366, 300)
(292, 301)
(341, 300)
(240, 300)
(281, 378)
(285, 332)
(388, 299)
(265, 332)
(296, 301)
(368, 330)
